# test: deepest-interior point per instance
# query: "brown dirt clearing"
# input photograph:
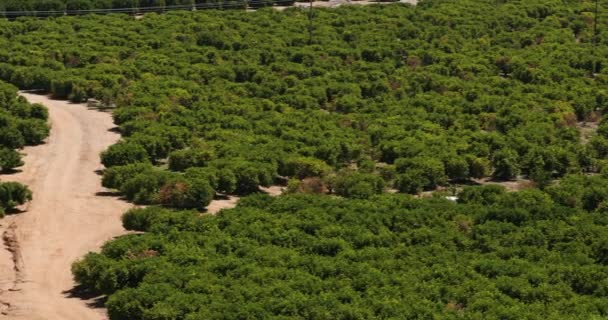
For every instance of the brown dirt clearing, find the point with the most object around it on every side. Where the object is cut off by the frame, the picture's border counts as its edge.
(67, 218)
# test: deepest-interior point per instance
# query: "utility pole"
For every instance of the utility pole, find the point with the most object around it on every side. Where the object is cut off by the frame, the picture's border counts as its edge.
(595, 38)
(310, 23)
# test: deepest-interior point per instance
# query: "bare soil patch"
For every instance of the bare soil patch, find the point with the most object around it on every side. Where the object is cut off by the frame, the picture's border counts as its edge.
(510, 185)
(587, 130)
(230, 201)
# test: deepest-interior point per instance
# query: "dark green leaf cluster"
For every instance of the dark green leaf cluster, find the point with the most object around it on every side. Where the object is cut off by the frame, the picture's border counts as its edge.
(413, 97)
(21, 123)
(496, 255)
(443, 92)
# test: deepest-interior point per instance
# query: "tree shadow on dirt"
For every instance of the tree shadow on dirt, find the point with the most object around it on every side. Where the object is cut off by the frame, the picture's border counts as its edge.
(92, 299)
(111, 194)
(10, 212)
(115, 130)
(8, 172)
(108, 194)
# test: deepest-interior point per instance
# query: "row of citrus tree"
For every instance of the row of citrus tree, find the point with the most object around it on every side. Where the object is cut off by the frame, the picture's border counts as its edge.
(21, 124)
(423, 97)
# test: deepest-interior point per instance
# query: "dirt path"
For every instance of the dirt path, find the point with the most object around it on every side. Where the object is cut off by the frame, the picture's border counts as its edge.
(68, 217)
(230, 201)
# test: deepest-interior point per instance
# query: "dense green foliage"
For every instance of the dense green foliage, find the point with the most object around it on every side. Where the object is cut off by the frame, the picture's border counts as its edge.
(410, 97)
(21, 124)
(496, 256)
(440, 93)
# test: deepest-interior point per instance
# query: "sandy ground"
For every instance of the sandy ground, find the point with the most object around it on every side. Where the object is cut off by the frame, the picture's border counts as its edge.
(69, 216)
(230, 201)
(514, 185)
(217, 205)
(587, 130)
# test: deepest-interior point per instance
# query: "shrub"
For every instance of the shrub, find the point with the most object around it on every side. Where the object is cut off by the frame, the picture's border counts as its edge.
(115, 177)
(39, 111)
(479, 167)
(183, 159)
(97, 272)
(61, 89)
(34, 131)
(11, 137)
(9, 159)
(413, 182)
(352, 184)
(140, 219)
(124, 153)
(143, 188)
(506, 164)
(457, 168)
(484, 195)
(186, 194)
(312, 185)
(242, 176)
(227, 181)
(424, 172)
(208, 174)
(305, 167)
(13, 194)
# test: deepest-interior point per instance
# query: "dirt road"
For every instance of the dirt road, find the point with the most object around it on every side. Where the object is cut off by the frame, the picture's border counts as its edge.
(68, 217)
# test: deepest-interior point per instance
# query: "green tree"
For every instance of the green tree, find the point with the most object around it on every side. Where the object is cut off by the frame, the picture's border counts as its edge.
(13, 194)
(479, 167)
(457, 168)
(124, 153)
(304, 167)
(183, 159)
(425, 171)
(357, 185)
(186, 194)
(484, 195)
(34, 131)
(115, 177)
(505, 164)
(9, 159)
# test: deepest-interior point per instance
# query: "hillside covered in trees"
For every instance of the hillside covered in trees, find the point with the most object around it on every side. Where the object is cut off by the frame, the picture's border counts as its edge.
(400, 97)
(21, 124)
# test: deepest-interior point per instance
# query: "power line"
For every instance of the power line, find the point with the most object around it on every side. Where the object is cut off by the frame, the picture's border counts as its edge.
(225, 4)
(595, 38)
(310, 15)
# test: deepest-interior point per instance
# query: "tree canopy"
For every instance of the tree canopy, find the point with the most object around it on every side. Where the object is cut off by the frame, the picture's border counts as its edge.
(494, 256)
(381, 98)
(442, 92)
